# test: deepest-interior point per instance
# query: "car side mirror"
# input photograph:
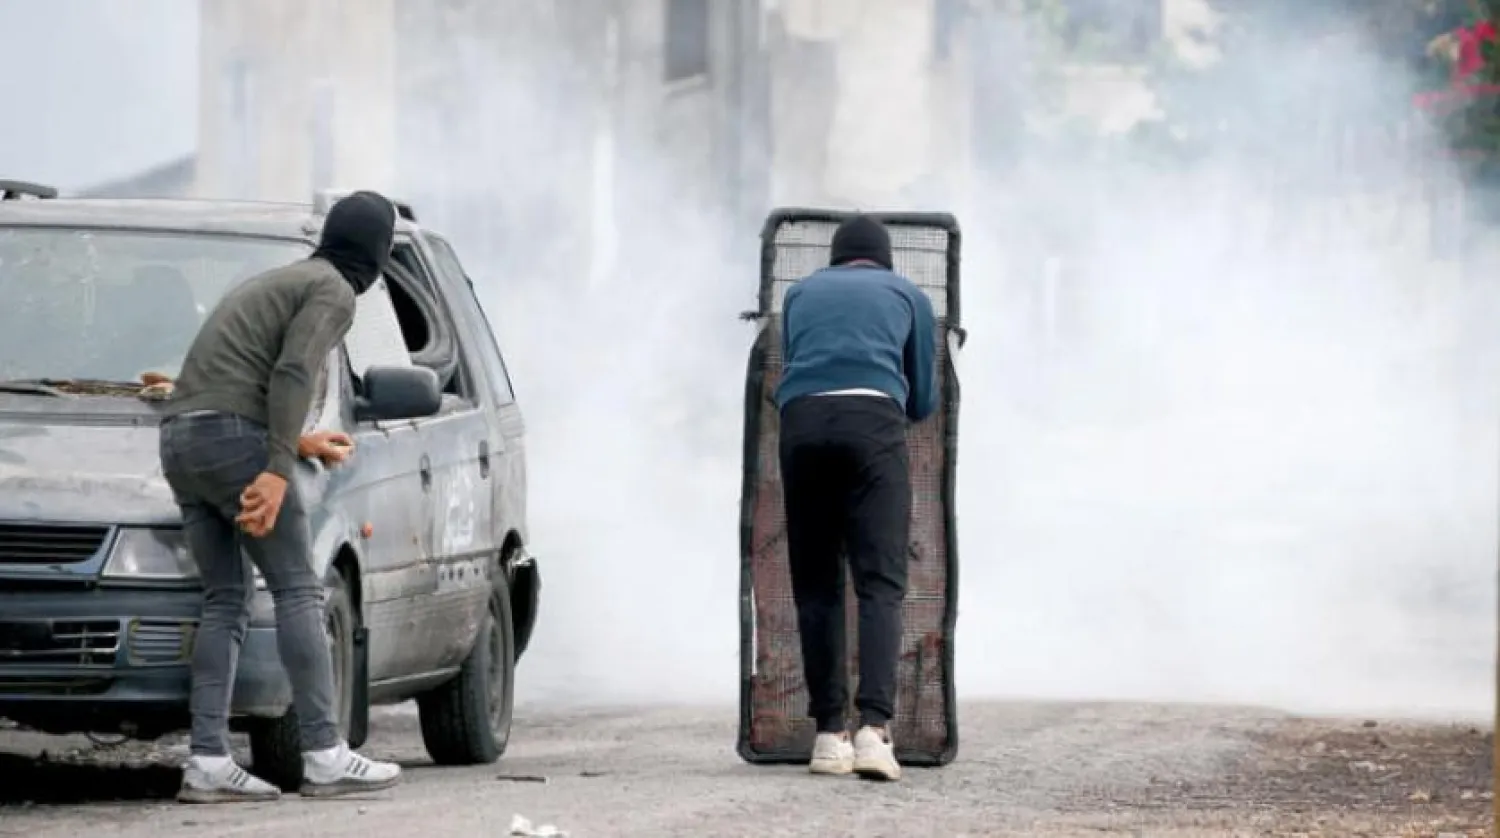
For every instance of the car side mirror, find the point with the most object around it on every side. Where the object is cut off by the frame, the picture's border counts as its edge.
(392, 393)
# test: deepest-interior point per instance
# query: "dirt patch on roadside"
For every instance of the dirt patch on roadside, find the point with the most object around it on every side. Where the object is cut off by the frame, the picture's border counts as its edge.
(1377, 767)
(1346, 778)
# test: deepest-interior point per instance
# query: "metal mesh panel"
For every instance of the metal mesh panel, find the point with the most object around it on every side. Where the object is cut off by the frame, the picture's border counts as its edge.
(774, 726)
(921, 255)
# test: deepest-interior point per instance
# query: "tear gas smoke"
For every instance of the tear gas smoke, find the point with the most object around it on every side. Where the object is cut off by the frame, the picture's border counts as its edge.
(1224, 437)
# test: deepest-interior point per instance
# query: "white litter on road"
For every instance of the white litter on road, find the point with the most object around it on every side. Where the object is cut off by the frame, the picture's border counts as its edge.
(520, 826)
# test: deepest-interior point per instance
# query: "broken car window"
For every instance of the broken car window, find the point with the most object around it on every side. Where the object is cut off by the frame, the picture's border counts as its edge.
(375, 339)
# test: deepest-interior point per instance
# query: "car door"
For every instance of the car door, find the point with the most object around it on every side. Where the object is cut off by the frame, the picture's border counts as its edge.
(390, 492)
(507, 427)
(460, 535)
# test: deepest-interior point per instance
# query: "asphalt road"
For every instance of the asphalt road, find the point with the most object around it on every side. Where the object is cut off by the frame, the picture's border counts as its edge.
(1023, 769)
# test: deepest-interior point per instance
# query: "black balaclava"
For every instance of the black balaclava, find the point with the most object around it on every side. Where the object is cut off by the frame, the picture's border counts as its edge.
(357, 237)
(861, 237)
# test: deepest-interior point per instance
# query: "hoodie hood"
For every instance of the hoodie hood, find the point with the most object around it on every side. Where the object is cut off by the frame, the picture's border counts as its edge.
(357, 237)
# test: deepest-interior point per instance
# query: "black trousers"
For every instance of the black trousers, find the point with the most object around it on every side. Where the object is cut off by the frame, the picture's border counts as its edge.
(847, 483)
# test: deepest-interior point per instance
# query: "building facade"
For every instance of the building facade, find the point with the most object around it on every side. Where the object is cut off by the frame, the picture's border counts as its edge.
(295, 95)
(522, 128)
(536, 132)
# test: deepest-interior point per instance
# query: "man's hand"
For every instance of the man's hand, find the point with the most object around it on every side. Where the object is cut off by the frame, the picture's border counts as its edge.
(260, 504)
(156, 387)
(332, 447)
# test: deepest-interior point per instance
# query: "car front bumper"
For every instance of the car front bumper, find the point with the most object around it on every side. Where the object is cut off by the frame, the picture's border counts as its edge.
(117, 660)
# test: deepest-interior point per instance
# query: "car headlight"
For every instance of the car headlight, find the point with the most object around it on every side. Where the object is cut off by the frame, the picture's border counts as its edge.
(147, 554)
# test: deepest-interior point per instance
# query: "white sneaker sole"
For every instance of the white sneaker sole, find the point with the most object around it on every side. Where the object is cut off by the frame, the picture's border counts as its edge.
(832, 767)
(188, 794)
(345, 788)
(878, 769)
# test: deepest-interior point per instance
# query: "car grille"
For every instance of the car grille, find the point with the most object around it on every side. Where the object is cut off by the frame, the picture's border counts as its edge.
(49, 543)
(160, 641)
(59, 642)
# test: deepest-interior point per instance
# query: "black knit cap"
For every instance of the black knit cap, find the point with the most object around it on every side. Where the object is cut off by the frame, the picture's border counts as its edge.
(861, 237)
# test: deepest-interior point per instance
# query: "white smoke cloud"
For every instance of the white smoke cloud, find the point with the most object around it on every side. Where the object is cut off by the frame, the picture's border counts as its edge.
(95, 90)
(1254, 463)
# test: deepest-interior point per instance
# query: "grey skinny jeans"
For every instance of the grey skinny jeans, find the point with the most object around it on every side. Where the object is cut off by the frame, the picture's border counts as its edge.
(208, 459)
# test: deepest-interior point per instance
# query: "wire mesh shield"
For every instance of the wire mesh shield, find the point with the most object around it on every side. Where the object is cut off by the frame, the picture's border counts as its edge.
(773, 720)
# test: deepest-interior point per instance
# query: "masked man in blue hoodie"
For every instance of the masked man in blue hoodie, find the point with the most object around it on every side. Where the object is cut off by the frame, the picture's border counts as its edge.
(859, 346)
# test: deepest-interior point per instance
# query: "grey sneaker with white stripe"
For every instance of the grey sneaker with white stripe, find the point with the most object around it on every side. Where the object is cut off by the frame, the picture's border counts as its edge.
(211, 779)
(339, 771)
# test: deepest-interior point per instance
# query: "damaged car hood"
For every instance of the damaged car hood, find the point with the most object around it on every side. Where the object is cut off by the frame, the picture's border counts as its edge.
(93, 461)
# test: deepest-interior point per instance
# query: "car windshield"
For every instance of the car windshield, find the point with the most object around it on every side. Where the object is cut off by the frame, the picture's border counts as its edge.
(109, 305)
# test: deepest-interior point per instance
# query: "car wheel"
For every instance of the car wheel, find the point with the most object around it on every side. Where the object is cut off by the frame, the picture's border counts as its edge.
(467, 720)
(276, 744)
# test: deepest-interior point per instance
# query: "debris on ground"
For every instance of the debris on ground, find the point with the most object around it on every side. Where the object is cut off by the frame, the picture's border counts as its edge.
(520, 827)
(74, 771)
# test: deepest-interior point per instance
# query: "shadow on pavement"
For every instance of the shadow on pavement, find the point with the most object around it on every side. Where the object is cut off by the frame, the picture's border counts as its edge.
(40, 780)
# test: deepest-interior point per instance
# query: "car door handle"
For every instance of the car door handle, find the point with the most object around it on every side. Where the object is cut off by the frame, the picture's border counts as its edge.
(484, 458)
(426, 471)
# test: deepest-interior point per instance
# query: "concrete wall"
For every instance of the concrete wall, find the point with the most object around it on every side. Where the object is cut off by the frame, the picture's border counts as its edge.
(864, 113)
(454, 104)
(499, 107)
(518, 127)
(284, 102)
(692, 148)
(891, 102)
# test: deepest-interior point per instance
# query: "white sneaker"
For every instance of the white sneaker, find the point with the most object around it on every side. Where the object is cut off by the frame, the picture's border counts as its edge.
(875, 755)
(832, 754)
(220, 780)
(338, 771)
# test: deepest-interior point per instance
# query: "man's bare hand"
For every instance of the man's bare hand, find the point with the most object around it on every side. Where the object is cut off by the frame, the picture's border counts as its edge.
(260, 504)
(332, 447)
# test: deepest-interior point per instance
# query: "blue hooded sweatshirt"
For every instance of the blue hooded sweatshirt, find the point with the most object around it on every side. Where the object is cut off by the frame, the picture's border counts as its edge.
(859, 326)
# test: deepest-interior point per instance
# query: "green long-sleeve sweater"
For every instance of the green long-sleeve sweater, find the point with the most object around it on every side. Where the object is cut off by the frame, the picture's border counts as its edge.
(260, 352)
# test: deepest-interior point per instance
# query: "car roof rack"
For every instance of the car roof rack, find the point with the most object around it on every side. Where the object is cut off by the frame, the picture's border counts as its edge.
(15, 190)
(324, 199)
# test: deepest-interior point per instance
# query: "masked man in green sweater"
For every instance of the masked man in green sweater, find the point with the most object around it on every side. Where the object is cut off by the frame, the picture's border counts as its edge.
(229, 445)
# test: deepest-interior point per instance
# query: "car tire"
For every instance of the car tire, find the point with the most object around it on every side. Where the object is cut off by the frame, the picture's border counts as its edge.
(467, 720)
(276, 744)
